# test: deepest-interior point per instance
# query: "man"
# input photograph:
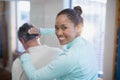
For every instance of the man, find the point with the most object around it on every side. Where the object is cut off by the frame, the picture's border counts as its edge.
(40, 54)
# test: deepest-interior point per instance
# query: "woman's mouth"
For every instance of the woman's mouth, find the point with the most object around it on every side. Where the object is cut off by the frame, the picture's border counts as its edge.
(61, 38)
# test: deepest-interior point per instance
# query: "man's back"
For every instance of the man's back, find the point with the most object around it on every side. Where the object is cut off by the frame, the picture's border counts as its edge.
(40, 56)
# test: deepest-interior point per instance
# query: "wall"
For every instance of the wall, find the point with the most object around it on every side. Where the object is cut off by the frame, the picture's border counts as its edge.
(43, 13)
(109, 39)
(51, 8)
(37, 13)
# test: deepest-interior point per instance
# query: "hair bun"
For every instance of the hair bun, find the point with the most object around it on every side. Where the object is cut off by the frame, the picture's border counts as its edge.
(78, 10)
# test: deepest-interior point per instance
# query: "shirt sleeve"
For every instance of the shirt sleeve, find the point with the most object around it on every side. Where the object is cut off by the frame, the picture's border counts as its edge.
(16, 70)
(55, 69)
(47, 31)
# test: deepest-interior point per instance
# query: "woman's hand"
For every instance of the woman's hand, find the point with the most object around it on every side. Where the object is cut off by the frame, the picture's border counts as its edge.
(34, 30)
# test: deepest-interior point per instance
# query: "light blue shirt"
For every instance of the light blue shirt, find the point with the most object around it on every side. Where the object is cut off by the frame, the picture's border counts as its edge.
(77, 62)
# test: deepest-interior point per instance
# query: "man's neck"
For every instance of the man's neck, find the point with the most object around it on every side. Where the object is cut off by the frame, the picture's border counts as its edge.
(27, 49)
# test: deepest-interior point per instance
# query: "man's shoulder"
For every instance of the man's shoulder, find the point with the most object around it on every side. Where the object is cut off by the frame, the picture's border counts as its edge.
(16, 64)
(16, 61)
(17, 70)
(52, 48)
(45, 47)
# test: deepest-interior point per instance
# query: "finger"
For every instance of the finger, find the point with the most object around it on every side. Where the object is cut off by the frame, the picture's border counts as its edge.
(37, 37)
(29, 31)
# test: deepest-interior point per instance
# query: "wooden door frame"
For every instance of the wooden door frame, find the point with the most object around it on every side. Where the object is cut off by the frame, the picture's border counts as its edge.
(4, 34)
(117, 23)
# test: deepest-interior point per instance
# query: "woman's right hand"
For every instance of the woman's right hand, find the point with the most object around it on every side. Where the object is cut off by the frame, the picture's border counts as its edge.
(34, 30)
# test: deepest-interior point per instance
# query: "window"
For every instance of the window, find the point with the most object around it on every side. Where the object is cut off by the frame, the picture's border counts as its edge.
(94, 24)
(23, 15)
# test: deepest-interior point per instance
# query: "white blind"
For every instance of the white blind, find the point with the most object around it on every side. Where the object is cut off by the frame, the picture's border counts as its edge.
(94, 24)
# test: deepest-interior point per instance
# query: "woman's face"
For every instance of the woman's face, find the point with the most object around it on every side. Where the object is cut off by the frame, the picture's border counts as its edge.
(65, 29)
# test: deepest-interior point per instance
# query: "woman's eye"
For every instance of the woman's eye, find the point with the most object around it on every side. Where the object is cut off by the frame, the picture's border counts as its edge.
(56, 28)
(63, 28)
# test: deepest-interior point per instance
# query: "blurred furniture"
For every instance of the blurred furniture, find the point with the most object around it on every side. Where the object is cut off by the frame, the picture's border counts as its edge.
(5, 75)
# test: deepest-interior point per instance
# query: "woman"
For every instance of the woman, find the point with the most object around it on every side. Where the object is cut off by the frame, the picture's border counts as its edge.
(76, 62)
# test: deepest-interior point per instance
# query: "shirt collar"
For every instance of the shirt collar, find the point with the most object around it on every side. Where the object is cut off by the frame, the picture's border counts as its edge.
(70, 44)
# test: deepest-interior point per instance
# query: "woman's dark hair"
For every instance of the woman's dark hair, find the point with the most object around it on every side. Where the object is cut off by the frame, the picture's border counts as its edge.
(73, 14)
(23, 32)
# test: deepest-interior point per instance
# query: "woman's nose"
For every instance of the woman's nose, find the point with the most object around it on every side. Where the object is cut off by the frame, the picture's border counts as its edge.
(59, 32)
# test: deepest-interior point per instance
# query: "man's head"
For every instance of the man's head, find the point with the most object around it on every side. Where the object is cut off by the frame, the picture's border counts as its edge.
(28, 40)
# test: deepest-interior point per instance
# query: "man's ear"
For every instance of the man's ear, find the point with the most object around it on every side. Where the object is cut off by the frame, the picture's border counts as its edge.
(22, 40)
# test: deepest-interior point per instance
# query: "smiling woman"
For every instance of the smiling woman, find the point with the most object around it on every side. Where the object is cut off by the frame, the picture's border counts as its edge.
(78, 58)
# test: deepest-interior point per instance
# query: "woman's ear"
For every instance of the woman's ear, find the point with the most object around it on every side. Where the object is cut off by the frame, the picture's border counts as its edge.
(79, 28)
